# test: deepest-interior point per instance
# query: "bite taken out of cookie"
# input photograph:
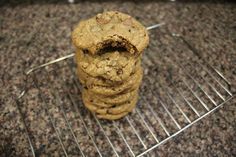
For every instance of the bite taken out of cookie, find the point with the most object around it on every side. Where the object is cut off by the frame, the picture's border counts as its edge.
(110, 29)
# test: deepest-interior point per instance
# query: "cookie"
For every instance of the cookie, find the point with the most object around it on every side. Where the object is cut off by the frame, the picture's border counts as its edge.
(108, 30)
(88, 80)
(93, 100)
(115, 99)
(131, 84)
(127, 106)
(113, 109)
(112, 66)
(112, 116)
(108, 102)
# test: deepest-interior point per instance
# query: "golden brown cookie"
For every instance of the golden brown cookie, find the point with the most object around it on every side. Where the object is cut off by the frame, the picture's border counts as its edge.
(125, 97)
(110, 29)
(114, 109)
(112, 66)
(89, 80)
(131, 84)
(88, 102)
(90, 97)
(109, 101)
(116, 99)
(112, 116)
(125, 107)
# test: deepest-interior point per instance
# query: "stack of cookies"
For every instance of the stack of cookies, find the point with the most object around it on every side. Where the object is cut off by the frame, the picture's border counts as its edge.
(108, 56)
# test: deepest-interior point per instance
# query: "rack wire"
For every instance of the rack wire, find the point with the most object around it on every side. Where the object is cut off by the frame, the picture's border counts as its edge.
(179, 89)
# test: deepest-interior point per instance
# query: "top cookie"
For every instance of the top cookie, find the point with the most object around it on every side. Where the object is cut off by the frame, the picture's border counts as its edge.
(110, 30)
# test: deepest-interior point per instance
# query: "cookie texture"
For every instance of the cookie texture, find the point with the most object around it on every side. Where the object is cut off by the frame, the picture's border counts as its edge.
(114, 66)
(110, 29)
(94, 106)
(108, 101)
(129, 85)
(109, 49)
(116, 99)
(90, 80)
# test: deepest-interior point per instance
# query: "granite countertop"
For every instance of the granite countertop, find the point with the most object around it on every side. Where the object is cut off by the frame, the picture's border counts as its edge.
(32, 34)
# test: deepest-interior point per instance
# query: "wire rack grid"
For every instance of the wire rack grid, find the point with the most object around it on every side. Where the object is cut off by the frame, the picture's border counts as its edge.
(179, 89)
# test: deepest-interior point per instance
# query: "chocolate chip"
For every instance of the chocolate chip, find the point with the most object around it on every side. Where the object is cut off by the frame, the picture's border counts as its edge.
(119, 71)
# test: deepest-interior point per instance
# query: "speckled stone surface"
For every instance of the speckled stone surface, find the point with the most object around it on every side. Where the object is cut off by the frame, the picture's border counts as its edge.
(34, 34)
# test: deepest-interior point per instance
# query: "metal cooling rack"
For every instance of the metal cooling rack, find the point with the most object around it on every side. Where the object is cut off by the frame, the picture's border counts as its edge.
(179, 89)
